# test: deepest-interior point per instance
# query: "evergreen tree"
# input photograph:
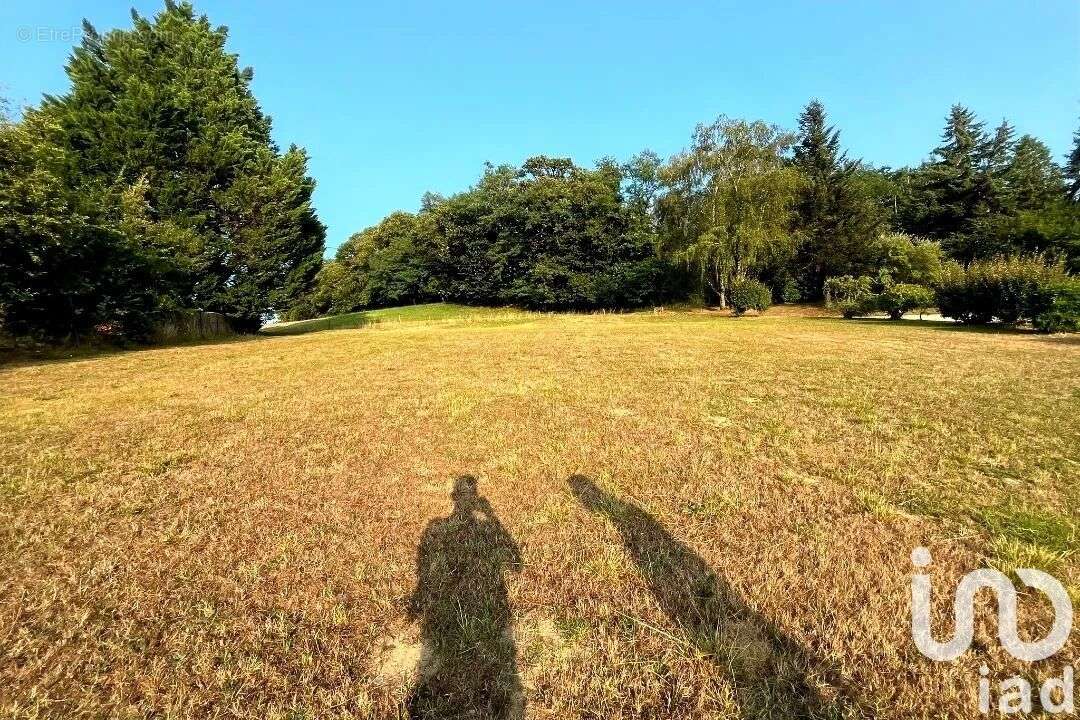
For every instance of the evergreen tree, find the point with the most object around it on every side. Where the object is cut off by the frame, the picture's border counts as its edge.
(1043, 220)
(835, 221)
(164, 108)
(1034, 178)
(952, 181)
(993, 182)
(66, 268)
(1072, 170)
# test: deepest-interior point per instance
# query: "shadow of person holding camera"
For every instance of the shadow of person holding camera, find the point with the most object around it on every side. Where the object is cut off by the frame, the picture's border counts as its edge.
(463, 606)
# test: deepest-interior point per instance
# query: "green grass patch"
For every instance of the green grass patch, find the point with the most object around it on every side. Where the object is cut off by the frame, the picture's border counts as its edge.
(1023, 538)
(1052, 532)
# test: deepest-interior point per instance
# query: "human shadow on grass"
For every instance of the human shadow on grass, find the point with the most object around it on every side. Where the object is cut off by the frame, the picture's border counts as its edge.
(463, 606)
(766, 667)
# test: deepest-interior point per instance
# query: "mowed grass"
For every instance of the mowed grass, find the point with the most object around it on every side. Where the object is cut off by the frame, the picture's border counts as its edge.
(661, 515)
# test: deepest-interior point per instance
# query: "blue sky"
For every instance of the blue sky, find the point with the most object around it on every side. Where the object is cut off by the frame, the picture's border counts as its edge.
(395, 98)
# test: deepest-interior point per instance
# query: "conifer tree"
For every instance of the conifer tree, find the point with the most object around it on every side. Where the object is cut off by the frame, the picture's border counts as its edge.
(1034, 179)
(164, 108)
(993, 182)
(1072, 170)
(953, 175)
(835, 223)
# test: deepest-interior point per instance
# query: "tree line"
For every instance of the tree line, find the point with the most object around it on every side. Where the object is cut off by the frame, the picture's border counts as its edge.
(748, 213)
(153, 185)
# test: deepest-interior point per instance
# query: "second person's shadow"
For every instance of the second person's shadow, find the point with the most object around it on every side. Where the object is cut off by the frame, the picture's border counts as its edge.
(768, 668)
(464, 610)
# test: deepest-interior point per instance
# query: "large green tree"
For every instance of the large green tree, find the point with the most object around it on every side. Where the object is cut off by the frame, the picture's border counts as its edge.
(1035, 181)
(1072, 170)
(954, 186)
(549, 234)
(729, 203)
(164, 109)
(66, 266)
(393, 263)
(837, 220)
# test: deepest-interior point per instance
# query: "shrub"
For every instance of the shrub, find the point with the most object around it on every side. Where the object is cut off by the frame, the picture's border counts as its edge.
(1010, 290)
(900, 298)
(790, 292)
(1063, 312)
(908, 259)
(850, 295)
(749, 295)
(958, 297)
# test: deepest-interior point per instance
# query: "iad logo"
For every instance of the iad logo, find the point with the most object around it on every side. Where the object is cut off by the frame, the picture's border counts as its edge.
(1016, 693)
(964, 612)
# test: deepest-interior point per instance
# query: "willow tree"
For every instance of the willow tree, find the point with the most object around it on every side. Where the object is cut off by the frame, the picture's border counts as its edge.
(727, 210)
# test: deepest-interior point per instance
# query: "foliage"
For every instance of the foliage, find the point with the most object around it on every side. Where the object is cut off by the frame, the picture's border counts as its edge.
(1072, 170)
(335, 292)
(66, 267)
(163, 185)
(392, 263)
(897, 299)
(750, 295)
(985, 195)
(547, 235)
(850, 295)
(837, 220)
(153, 186)
(1010, 290)
(728, 207)
(790, 292)
(1063, 312)
(907, 259)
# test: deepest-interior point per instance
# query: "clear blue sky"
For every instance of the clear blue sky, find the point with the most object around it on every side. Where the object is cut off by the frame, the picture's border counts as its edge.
(394, 98)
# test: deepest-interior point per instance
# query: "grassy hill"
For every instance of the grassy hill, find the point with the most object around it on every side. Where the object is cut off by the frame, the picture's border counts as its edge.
(457, 510)
(429, 313)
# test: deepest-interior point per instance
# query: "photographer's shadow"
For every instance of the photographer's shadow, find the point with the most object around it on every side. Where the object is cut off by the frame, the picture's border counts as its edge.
(768, 669)
(463, 606)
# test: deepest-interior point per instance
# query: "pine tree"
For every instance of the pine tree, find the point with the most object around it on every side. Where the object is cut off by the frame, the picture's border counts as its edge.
(164, 107)
(1072, 170)
(997, 194)
(953, 177)
(835, 223)
(1034, 178)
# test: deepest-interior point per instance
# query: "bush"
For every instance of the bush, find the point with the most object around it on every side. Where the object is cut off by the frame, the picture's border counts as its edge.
(900, 298)
(749, 295)
(850, 295)
(1010, 290)
(908, 259)
(790, 292)
(1063, 313)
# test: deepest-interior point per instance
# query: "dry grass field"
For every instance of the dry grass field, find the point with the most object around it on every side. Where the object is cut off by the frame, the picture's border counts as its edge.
(440, 515)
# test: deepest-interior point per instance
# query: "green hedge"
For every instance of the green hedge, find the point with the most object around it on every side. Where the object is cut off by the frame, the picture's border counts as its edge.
(1010, 290)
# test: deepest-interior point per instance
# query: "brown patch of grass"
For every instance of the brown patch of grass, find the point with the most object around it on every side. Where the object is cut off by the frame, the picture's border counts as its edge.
(234, 529)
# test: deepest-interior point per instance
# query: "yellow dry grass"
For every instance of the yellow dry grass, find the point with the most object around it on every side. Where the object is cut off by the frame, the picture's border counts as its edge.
(673, 515)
